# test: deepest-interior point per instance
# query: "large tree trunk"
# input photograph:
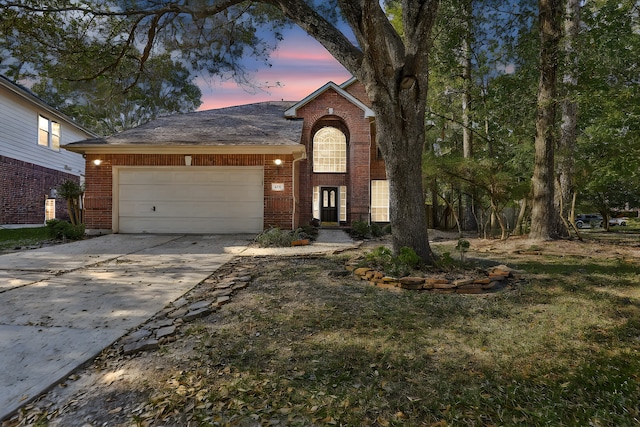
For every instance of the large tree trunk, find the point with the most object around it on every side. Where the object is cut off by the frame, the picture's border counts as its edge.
(400, 135)
(543, 214)
(394, 71)
(568, 136)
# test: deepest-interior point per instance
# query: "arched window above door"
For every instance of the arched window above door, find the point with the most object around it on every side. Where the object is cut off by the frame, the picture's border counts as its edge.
(329, 150)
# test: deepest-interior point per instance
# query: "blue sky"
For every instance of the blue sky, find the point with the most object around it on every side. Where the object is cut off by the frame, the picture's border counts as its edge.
(300, 65)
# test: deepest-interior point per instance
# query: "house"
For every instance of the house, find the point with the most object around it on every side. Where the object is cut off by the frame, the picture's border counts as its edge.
(240, 169)
(32, 164)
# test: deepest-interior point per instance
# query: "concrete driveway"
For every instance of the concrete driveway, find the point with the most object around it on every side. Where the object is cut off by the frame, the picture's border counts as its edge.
(61, 306)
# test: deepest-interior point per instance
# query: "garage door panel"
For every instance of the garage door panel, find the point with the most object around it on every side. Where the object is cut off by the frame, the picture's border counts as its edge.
(192, 177)
(192, 210)
(190, 193)
(191, 200)
(204, 225)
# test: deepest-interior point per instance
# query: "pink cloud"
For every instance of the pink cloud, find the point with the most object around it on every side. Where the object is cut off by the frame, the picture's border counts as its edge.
(299, 66)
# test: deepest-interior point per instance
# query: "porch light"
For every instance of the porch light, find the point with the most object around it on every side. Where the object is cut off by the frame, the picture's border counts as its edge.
(278, 162)
(187, 160)
(97, 162)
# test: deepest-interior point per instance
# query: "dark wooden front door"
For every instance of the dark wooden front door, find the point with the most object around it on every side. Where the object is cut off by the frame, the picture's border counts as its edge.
(329, 204)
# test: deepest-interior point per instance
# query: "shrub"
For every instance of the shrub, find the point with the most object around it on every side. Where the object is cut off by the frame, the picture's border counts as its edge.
(275, 237)
(401, 265)
(376, 229)
(360, 230)
(72, 192)
(462, 247)
(409, 257)
(65, 230)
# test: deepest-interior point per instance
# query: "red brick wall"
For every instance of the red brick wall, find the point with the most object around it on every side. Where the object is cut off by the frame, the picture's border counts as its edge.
(98, 198)
(23, 189)
(357, 90)
(351, 120)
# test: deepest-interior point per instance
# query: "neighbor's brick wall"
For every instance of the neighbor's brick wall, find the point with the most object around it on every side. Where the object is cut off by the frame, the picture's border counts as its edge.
(350, 119)
(23, 189)
(278, 210)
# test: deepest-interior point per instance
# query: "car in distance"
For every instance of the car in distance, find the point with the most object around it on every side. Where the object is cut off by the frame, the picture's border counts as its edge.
(618, 221)
(589, 220)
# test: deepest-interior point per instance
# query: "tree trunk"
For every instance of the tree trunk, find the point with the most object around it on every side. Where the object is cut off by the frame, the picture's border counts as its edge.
(401, 146)
(567, 142)
(519, 227)
(543, 213)
(468, 218)
(394, 71)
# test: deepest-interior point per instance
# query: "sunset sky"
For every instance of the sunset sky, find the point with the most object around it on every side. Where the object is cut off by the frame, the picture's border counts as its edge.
(300, 64)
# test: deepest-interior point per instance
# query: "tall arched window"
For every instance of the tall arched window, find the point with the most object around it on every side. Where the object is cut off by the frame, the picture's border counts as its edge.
(329, 150)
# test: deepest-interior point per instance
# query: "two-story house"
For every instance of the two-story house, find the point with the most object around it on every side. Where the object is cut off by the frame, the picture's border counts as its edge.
(32, 163)
(241, 169)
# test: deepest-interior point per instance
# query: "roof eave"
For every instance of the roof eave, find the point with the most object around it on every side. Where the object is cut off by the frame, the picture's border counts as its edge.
(295, 149)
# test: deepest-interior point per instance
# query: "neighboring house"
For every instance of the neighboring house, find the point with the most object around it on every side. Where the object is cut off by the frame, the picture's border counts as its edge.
(240, 169)
(32, 165)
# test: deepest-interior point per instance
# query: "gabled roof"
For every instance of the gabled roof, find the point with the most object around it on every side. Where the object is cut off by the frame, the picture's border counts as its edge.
(348, 83)
(25, 93)
(368, 112)
(253, 125)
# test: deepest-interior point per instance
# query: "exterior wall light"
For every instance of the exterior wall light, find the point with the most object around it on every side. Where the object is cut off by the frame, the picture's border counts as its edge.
(278, 162)
(187, 160)
(97, 162)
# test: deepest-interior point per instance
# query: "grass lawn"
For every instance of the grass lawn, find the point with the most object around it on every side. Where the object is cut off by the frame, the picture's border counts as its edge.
(19, 237)
(298, 347)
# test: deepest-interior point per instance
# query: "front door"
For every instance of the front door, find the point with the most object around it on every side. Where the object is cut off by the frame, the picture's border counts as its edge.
(329, 204)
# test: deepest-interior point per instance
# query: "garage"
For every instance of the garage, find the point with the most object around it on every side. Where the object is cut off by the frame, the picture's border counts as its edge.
(202, 200)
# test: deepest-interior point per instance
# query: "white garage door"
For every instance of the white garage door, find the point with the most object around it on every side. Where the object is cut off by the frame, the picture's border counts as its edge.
(190, 200)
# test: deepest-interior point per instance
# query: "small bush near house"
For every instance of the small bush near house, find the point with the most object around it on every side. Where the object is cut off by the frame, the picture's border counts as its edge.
(360, 230)
(275, 237)
(365, 230)
(65, 230)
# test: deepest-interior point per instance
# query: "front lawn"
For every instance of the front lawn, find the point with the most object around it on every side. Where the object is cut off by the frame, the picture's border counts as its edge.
(12, 239)
(301, 347)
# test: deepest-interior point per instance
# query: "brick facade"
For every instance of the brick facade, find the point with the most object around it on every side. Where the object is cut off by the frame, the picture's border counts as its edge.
(363, 164)
(278, 205)
(24, 188)
(285, 209)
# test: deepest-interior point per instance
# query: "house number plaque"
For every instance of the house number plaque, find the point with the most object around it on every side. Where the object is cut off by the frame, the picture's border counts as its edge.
(277, 186)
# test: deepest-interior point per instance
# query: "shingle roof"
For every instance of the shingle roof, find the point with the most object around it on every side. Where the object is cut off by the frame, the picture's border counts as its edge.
(252, 124)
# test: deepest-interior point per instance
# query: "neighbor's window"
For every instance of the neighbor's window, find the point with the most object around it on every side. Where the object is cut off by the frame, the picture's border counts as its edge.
(380, 201)
(48, 133)
(329, 150)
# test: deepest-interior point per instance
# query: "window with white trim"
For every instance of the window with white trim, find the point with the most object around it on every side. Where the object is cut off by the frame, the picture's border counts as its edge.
(343, 203)
(379, 201)
(48, 133)
(329, 150)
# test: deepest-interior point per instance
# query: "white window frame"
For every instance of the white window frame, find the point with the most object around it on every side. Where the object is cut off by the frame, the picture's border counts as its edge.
(380, 201)
(49, 133)
(329, 151)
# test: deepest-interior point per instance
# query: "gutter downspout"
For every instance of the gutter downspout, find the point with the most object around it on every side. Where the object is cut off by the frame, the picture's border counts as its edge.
(303, 156)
